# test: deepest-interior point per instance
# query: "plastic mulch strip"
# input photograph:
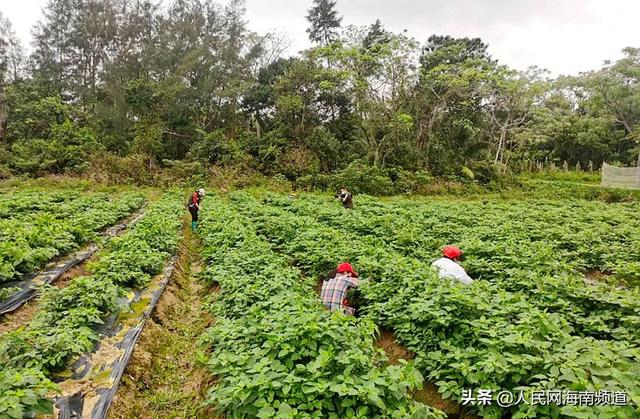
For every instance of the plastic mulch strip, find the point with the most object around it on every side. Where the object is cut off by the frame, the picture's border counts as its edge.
(29, 286)
(94, 378)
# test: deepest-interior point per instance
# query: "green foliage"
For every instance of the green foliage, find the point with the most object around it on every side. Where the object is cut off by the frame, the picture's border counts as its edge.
(213, 148)
(529, 321)
(324, 22)
(276, 351)
(468, 173)
(7, 292)
(187, 81)
(32, 116)
(22, 393)
(360, 178)
(66, 324)
(484, 172)
(30, 239)
(46, 135)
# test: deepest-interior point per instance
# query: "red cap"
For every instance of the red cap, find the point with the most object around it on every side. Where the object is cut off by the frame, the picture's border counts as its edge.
(346, 267)
(451, 252)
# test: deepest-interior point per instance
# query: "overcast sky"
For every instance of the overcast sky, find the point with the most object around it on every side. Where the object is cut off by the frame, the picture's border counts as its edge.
(564, 36)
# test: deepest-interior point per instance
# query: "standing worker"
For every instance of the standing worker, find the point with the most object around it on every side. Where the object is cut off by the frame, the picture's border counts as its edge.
(334, 290)
(194, 207)
(346, 198)
(449, 265)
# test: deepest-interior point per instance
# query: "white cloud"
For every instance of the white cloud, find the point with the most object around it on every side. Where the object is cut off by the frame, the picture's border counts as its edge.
(564, 36)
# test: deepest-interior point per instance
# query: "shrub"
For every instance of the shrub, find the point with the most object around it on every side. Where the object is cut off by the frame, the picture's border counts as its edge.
(485, 172)
(136, 169)
(320, 182)
(298, 161)
(23, 393)
(361, 178)
(408, 181)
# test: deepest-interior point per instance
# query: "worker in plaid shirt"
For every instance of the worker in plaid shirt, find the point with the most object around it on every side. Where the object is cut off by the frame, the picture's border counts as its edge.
(334, 290)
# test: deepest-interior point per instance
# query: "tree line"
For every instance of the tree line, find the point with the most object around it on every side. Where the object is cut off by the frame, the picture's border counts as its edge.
(188, 82)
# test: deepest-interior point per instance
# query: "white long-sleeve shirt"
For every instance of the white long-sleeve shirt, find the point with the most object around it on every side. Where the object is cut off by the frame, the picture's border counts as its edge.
(450, 269)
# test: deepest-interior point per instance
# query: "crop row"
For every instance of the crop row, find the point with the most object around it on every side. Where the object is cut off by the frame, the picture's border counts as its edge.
(66, 324)
(27, 243)
(273, 348)
(553, 332)
(599, 311)
(498, 236)
(26, 202)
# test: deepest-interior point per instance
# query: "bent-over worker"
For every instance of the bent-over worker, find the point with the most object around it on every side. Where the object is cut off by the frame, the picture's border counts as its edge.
(449, 265)
(346, 198)
(194, 207)
(334, 290)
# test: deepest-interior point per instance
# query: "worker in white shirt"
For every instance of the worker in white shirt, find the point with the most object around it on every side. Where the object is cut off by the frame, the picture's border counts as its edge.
(449, 266)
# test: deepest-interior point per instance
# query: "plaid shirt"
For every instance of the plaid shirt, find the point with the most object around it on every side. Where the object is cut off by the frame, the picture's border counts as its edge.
(335, 290)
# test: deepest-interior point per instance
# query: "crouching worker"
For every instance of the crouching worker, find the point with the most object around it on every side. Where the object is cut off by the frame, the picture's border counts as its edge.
(334, 289)
(194, 207)
(449, 265)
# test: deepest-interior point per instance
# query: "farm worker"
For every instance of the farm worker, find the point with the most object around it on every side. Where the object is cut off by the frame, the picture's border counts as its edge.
(194, 207)
(345, 197)
(334, 290)
(449, 266)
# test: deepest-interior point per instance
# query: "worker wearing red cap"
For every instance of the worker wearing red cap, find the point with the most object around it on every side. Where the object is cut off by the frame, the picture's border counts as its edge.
(334, 290)
(449, 267)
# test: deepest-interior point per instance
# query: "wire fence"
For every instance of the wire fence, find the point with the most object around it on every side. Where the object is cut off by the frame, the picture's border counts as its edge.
(620, 177)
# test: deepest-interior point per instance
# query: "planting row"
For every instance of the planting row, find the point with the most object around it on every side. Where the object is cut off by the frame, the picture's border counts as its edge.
(597, 310)
(550, 332)
(67, 322)
(498, 237)
(28, 241)
(275, 351)
(25, 202)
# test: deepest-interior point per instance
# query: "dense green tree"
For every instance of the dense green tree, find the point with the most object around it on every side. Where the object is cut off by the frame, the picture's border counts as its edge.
(325, 22)
(11, 66)
(512, 98)
(616, 88)
(448, 106)
(186, 80)
(565, 126)
(71, 45)
(259, 99)
(376, 36)
(11, 54)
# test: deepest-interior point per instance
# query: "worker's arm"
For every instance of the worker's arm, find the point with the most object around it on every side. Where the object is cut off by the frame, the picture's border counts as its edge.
(464, 278)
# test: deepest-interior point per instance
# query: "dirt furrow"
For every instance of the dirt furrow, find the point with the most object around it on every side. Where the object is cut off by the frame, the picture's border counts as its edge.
(163, 377)
(429, 394)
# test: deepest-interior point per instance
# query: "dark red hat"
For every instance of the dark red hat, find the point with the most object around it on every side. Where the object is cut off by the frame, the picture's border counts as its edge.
(346, 267)
(451, 252)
